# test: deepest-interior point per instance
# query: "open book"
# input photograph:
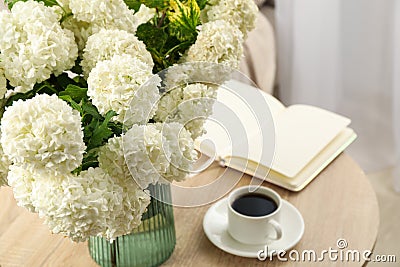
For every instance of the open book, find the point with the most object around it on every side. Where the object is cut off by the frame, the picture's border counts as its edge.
(251, 131)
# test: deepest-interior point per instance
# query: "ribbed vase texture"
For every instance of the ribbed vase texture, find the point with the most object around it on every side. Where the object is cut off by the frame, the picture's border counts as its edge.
(150, 244)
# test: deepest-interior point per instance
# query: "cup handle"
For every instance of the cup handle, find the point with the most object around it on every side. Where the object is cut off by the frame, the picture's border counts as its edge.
(278, 230)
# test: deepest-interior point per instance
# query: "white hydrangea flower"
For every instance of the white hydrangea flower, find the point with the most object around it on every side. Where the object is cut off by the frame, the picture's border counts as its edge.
(90, 204)
(43, 131)
(58, 10)
(144, 14)
(111, 159)
(87, 20)
(21, 179)
(143, 106)
(64, 4)
(168, 103)
(115, 84)
(4, 167)
(33, 44)
(189, 105)
(134, 203)
(3, 84)
(107, 43)
(81, 29)
(203, 72)
(146, 153)
(78, 206)
(217, 42)
(183, 153)
(197, 104)
(152, 152)
(135, 200)
(241, 13)
(106, 14)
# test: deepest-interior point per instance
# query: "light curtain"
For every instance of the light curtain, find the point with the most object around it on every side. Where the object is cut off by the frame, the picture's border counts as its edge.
(344, 55)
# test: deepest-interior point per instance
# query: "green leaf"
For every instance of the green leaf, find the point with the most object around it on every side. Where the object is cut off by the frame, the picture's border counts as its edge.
(202, 3)
(73, 104)
(89, 129)
(79, 80)
(90, 159)
(89, 109)
(63, 80)
(155, 40)
(184, 17)
(133, 4)
(18, 96)
(153, 37)
(102, 132)
(53, 82)
(75, 92)
(48, 2)
(179, 47)
(45, 88)
(89, 163)
(117, 128)
(77, 68)
(41, 88)
(159, 60)
(165, 49)
(159, 4)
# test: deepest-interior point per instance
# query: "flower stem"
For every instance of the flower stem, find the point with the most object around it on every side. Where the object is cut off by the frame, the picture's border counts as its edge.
(161, 21)
(113, 254)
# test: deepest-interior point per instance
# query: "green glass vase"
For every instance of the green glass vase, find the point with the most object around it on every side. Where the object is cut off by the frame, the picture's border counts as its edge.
(150, 244)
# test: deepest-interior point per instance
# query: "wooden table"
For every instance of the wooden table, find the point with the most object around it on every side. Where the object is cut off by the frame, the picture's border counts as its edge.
(339, 203)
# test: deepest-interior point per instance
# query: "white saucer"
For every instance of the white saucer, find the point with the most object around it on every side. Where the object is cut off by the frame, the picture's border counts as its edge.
(215, 227)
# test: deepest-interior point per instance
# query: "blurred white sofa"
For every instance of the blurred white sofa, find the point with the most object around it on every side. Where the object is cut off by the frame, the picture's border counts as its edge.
(259, 62)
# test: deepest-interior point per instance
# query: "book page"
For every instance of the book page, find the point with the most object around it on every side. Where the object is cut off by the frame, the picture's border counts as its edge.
(274, 106)
(308, 173)
(301, 133)
(252, 126)
(241, 124)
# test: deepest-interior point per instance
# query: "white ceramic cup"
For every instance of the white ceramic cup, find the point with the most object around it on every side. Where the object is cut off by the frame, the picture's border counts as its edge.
(254, 230)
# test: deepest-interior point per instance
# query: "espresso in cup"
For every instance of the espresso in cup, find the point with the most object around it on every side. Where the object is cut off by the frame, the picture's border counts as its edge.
(254, 204)
(253, 215)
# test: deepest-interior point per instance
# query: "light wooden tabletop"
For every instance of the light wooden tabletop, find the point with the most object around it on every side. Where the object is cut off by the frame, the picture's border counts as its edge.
(339, 203)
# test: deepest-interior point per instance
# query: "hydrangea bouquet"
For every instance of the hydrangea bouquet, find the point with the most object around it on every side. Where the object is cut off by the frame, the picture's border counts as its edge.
(86, 125)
